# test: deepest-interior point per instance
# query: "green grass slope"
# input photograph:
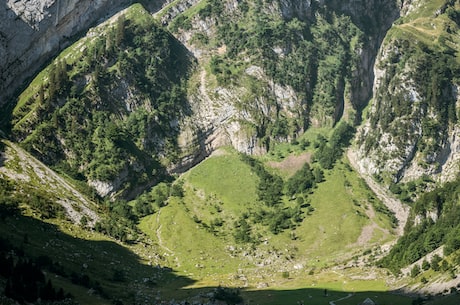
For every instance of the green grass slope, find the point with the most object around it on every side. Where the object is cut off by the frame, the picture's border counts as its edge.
(180, 257)
(197, 231)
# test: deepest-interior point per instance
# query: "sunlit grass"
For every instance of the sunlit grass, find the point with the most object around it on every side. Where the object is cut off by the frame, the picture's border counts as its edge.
(227, 178)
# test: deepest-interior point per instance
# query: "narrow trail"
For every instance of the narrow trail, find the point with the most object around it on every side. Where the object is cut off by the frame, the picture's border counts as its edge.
(341, 299)
(158, 232)
(203, 89)
(401, 211)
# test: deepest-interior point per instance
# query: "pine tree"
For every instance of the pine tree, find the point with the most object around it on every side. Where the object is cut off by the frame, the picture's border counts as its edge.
(52, 82)
(47, 292)
(41, 95)
(120, 31)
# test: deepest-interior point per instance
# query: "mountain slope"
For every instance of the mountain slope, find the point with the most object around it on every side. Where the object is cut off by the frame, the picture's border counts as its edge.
(21, 167)
(34, 31)
(106, 110)
(409, 141)
(224, 124)
(280, 77)
(413, 126)
(235, 230)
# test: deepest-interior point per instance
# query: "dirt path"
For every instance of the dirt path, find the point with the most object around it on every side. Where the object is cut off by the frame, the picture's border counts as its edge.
(158, 233)
(401, 211)
(341, 299)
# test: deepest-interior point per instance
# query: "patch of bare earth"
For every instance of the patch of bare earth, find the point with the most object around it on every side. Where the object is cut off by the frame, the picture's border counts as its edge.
(393, 204)
(292, 163)
(368, 231)
(366, 234)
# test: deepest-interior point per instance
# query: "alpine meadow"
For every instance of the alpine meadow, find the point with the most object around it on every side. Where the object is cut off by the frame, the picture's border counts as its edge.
(230, 152)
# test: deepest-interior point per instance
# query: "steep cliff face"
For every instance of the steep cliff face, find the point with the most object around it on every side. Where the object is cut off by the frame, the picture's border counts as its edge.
(374, 18)
(292, 65)
(31, 31)
(413, 124)
(266, 72)
(106, 111)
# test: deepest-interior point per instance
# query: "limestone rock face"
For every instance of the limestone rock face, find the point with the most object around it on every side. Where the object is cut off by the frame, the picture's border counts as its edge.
(412, 127)
(300, 8)
(219, 119)
(31, 31)
(31, 11)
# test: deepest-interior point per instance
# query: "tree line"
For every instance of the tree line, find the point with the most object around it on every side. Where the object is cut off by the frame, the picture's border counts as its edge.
(421, 238)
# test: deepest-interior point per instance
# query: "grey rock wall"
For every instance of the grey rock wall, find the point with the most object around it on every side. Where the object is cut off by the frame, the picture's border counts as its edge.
(32, 31)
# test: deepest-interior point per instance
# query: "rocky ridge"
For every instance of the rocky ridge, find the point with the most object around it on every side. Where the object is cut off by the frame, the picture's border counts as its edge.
(412, 128)
(32, 31)
(33, 172)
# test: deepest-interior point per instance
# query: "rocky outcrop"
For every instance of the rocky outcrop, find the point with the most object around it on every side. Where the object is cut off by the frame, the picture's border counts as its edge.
(32, 31)
(218, 120)
(30, 171)
(173, 11)
(227, 114)
(383, 150)
(221, 115)
(300, 9)
(412, 128)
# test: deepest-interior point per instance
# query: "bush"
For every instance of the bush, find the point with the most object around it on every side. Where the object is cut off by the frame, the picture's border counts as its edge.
(229, 295)
(302, 181)
(395, 188)
(435, 262)
(415, 271)
(425, 265)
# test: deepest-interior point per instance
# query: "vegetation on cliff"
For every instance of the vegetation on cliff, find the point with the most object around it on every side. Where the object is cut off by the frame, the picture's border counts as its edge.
(118, 109)
(107, 108)
(435, 221)
(313, 52)
(415, 106)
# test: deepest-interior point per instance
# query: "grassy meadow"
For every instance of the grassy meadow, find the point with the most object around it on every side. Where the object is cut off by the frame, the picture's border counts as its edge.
(224, 187)
(179, 257)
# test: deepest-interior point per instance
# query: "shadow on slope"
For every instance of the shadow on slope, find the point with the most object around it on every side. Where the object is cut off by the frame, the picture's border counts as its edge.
(2, 150)
(84, 262)
(322, 296)
(317, 296)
